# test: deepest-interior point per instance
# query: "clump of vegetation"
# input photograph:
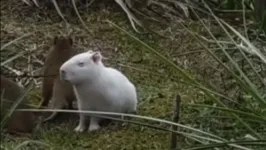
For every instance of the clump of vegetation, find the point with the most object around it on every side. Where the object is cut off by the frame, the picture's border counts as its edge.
(216, 62)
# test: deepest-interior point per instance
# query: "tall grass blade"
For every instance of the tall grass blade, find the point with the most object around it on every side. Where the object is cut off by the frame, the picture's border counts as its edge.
(15, 40)
(243, 85)
(187, 77)
(225, 144)
(213, 138)
(246, 114)
(58, 10)
(25, 143)
(13, 58)
(81, 20)
(16, 103)
(250, 88)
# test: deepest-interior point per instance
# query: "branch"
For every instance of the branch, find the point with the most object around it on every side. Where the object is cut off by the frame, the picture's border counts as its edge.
(176, 108)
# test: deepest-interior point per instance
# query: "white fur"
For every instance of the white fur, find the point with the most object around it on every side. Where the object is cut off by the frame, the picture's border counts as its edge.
(98, 88)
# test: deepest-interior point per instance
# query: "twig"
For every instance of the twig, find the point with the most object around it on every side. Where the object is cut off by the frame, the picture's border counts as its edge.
(231, 11)
(13, 41)
(13, 70)
(29, 76)
(176, 108)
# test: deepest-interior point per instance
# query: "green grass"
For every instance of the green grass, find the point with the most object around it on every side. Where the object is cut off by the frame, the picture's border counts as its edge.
(156, 81)
(149, 87)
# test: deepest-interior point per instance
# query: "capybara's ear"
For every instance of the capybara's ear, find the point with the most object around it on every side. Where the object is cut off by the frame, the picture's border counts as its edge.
(55, 40)
(96, 57)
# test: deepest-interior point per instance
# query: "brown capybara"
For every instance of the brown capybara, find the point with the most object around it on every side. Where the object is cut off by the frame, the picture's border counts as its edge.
(60, 93)
(19, 122)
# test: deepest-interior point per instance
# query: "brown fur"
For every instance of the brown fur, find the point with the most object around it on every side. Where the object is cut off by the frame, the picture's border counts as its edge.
(61, 94)
(19, 122)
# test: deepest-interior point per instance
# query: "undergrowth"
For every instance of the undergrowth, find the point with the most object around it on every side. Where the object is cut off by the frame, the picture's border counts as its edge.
(218, 68)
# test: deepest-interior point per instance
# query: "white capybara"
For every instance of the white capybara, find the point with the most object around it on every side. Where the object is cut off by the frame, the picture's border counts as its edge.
(98, 88)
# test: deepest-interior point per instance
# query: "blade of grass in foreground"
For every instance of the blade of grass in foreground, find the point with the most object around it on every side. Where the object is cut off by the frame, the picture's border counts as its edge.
(212, 138)
(13, 58)
(219, 117)
(238, 34)
(58, 10)
(179, 81)
(222, 64)
(243, 85)
(15, 40)
(250, 88)
(250, 45)
(25, 143)
(16, 103)
(187, 77)
(250, 115)
(124, 115)
(224, 144)
(81, 20)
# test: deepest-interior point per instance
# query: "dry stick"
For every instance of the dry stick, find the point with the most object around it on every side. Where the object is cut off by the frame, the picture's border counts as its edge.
(176, 111)
(25, 75)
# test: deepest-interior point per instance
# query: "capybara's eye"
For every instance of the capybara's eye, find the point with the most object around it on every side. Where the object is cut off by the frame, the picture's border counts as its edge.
(80, 64)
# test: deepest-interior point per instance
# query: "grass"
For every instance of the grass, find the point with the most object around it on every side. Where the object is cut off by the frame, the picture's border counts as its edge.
(156, 81)
(120, 49)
